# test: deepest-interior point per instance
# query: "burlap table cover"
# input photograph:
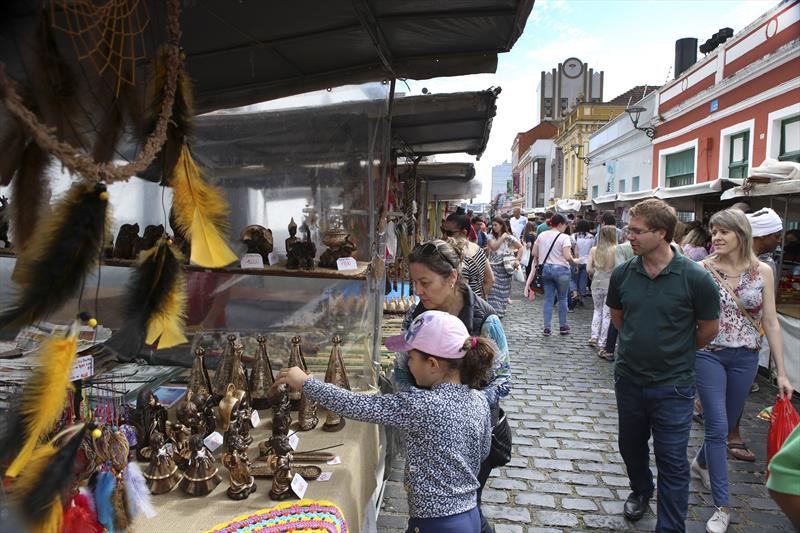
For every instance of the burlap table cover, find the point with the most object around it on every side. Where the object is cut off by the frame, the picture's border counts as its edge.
(350, 487)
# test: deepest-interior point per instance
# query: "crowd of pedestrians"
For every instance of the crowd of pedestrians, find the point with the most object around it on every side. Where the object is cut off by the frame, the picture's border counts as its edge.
(682, 313)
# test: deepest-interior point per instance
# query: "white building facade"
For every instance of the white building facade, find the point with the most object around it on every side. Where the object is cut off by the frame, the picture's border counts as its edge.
(500, 175)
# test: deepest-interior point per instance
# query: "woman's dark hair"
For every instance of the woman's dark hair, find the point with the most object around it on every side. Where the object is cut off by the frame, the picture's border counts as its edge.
(582, 226)
(460, 218)
(530, 228)
(439, 256)
(608, 219)
(503, 224)
(474, 367)
(557, 220)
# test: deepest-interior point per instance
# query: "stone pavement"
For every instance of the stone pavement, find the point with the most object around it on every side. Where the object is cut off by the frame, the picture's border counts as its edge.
(566, 473)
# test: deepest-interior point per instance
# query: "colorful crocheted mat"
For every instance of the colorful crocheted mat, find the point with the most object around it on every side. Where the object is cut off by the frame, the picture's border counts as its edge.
(304, 516)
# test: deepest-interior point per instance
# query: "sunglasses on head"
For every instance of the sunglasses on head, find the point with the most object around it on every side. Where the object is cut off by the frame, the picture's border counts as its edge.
(431, 247)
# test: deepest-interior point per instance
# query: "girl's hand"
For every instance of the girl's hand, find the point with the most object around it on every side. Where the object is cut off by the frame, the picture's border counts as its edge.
(294, 377)
(784, 387)
(527, 290)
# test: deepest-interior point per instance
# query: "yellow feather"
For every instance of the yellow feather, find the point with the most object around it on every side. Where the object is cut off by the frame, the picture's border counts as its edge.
(27, 482)
(200, 213)
(169, 324)
(43, 395)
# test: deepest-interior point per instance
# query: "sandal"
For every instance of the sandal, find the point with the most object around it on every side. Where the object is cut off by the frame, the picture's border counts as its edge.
(602, 354)
(740, 451)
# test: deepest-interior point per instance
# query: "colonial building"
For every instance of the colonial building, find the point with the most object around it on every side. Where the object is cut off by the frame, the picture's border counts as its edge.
(573, 139)
(731, 110)
(560, 89)
(531, 156)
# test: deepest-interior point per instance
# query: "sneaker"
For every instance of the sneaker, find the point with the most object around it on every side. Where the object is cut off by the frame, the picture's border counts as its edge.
(705, 478)
(564, 330)
(546, 332)
(718, 523)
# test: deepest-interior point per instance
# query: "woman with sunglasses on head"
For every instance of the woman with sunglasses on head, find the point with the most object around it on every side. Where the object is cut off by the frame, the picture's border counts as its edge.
(502, 244)
(475, 267)
(435, 268)
(727, 366)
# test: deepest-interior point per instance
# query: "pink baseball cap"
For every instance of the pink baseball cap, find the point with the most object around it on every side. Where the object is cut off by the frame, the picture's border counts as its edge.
(435, 333)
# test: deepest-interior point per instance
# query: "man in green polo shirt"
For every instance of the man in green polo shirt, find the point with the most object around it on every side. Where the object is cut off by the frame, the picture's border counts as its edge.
(665, 307)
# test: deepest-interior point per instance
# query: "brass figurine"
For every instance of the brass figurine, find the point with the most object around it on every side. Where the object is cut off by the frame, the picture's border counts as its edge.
(199, 382)
(296, 359)
(227, 405)
(307, 415)
(282, 412)
(282, 477)
(162, 473)
(261, 378)
(201, 476)
(223, 374)
(336, 373)
(189, 415)
(238, 464)
(343, 248)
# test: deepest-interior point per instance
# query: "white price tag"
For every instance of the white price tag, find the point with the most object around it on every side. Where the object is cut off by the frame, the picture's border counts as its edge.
(294, 440)
(346, 263)
(255, 420)
(335, 461)
(170, 448)
(82, 367)
(325, 476)
(252, 261)
(274, 258)
(213, 441)
(299, 486)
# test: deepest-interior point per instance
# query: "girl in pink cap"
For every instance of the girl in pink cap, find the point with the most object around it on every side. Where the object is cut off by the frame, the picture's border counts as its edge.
(446, 420)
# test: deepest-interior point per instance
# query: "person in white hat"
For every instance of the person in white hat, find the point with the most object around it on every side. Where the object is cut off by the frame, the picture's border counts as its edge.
(767, 232)
(446, 422)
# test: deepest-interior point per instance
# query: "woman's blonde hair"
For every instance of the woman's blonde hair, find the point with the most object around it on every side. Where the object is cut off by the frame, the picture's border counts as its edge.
(736, 221)
(606, 246)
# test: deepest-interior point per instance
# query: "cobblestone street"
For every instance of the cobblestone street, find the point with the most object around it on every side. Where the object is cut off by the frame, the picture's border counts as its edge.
(566, 473)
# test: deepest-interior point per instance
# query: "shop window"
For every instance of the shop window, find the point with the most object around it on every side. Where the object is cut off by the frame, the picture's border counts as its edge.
(679, 168)
(790, 139)
(621, 185)
(739, 156)
(595, 191)
(635, 184)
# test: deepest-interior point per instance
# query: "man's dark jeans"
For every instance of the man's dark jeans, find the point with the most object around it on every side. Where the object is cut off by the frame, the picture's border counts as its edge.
(666, 411)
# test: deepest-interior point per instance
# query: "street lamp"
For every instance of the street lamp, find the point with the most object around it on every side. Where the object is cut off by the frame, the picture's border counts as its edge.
(634, 113)
(576, 149)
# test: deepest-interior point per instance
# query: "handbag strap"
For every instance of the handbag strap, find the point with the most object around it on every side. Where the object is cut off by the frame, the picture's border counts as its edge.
(551, 249)
(725, 285)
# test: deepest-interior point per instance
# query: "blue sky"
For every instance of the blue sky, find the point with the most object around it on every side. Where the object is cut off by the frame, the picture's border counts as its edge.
(632, 41)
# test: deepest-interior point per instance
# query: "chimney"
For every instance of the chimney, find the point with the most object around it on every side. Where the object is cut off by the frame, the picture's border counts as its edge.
(685, 54)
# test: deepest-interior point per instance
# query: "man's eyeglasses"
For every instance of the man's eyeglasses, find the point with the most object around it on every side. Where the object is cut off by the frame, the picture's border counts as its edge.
(638, 232)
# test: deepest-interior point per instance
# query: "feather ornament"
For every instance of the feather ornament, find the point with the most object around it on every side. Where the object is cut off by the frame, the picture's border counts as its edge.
(103, 492)
(139, 497)
(40, 487)
(12, 146)
(181, 121)
(43, 399)
(60, 254)
(201, 214)
(80, 517)
(30, 193)
(119, 499)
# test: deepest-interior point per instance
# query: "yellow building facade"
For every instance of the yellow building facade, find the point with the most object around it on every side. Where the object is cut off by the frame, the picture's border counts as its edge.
(584, 119)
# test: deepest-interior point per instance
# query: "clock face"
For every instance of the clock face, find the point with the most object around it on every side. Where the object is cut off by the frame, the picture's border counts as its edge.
(573, 67)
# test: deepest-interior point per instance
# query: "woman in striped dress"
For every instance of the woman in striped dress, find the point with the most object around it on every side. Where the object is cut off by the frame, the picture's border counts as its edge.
(501, 243)
(475, 265)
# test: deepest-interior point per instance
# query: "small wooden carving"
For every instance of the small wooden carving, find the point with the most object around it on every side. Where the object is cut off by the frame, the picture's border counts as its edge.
(261, 378)
(329, 256)
(336, 373)
(151, 236)
(300, 254)
(238, 464)
(162, 473)
(281, 477)
(258, 240)
(127, 241)
(224, 373)
(296, 359)
(199, 382)
(201, 476)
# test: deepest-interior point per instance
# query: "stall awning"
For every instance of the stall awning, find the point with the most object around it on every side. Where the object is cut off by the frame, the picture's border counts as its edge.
(696, 189)
(444, 123)
(775, 188)
(567, 204)
(450, 190)
(605, 199)
(636, 196)
(438, 171)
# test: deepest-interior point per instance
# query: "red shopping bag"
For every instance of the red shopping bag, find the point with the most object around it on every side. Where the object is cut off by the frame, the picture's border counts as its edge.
(784, 420)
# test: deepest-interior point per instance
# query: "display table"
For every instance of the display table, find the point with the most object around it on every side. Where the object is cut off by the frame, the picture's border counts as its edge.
(351, 487)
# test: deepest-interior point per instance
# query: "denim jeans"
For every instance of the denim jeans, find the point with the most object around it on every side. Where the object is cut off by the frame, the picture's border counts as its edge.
(556, 283)
(466, 522)
(723, 383)
(666, 412)
(580, 279)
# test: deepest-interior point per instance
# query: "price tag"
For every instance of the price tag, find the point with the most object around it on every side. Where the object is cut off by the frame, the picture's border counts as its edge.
(346, 263)
(252, 261)
(335, 461)
(213, 441)
(170, 448)
(325, 476)
(274, 258)
(299, 486)
(255, 420)
(294, 440)
(82, 367)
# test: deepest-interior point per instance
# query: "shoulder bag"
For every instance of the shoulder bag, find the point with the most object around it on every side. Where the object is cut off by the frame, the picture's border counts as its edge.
(537, 283)
(759, 328)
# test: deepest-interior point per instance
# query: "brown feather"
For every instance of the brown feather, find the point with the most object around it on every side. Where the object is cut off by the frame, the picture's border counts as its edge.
(12, 146)
(119, 499)
(30, 195)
